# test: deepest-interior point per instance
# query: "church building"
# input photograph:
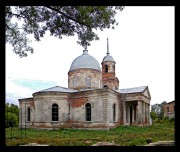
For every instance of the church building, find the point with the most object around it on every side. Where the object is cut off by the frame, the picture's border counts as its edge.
(92, 100)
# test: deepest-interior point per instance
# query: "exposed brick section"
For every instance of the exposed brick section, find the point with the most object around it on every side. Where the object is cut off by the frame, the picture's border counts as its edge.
(109, 78)
(78, 102)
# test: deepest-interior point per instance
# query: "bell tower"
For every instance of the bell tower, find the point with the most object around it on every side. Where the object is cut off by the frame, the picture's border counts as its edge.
(109, 78)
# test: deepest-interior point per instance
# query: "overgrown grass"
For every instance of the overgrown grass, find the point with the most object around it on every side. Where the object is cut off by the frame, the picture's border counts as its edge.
(123, 135)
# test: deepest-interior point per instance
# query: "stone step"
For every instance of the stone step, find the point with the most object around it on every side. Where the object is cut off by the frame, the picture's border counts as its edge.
(162, 143)
(34, 144)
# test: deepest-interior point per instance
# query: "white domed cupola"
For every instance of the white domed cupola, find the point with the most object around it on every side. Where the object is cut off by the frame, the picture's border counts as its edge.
(84, 72)
(85, 61)
(108, 58)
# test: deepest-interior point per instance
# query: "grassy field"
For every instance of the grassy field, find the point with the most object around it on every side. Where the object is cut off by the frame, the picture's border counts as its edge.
(123, 135)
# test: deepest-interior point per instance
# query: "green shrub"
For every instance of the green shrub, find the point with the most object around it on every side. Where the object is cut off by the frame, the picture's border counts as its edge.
(157, 120)
(172, 120)
(153, 115)
(11, 120)
(165, 120)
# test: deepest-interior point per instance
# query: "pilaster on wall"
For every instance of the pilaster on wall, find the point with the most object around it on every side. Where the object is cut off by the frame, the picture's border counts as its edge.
(105, 111)
(22, 117)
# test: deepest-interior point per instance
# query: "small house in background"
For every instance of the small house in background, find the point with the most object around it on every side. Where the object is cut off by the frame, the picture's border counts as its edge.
(169, 109)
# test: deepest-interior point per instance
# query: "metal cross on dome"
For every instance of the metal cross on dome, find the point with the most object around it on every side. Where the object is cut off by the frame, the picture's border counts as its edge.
(86, 47)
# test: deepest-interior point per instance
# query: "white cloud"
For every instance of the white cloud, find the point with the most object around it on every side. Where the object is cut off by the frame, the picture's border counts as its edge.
(11, 87)
(15, 92)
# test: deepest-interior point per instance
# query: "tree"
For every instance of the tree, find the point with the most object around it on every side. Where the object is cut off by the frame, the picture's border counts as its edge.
(59, 20)
(158, 109)
(11, 119)
(11, 115)
(153, 115)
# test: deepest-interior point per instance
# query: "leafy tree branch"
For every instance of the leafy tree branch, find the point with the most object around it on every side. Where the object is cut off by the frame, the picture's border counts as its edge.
(59, 21)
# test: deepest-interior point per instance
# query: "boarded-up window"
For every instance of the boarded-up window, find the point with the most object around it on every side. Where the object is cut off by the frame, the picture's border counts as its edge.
(55, 111)
(88, 112)
(88, 82)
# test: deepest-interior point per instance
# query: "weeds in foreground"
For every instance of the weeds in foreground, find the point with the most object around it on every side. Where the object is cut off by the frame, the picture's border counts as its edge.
(123, 135)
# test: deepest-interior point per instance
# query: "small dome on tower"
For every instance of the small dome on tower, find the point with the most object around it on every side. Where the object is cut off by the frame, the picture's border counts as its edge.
(108, 58)
(85, 61)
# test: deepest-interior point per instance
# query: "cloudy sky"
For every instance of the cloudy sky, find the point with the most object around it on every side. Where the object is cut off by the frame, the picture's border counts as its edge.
(142, 46)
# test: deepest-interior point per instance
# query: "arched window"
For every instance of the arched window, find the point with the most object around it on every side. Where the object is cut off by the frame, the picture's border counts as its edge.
(114, 112)
(75, 82)
(88, 112)
(106, 68)
(55, 112)
(28, 114)
(88, 82)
